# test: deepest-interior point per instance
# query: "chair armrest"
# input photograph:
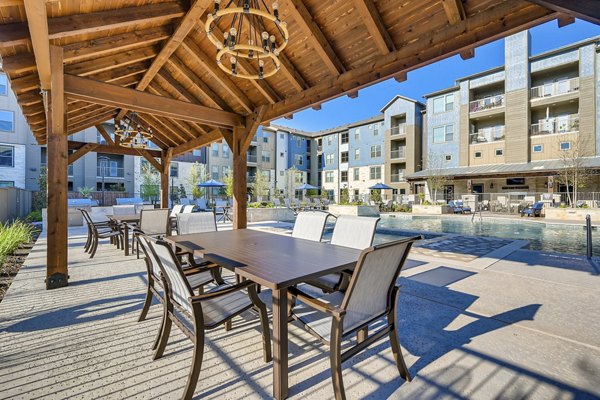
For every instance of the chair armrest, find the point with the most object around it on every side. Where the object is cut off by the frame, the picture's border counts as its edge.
(223, 292)
(316, 303)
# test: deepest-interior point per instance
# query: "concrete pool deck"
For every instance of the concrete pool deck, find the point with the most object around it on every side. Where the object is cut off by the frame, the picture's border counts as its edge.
(524, 325)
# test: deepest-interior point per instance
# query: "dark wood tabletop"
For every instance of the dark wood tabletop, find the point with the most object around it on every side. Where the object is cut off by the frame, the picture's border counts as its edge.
(124, 217)
(269, 259)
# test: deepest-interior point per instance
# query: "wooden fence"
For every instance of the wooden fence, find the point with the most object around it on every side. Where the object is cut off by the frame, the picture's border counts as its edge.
(14, 203)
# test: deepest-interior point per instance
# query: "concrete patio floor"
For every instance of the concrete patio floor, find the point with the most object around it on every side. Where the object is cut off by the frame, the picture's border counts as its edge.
(525, 326)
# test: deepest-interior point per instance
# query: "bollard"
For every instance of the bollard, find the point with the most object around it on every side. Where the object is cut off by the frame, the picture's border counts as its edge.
(588, 233)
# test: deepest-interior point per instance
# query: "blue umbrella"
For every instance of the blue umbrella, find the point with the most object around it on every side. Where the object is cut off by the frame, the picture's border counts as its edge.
(381, 186)
(304, 187)
(211, 184)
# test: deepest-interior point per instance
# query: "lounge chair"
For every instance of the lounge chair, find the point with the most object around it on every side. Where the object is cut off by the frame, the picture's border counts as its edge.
(535, 210)
(371, 296)
(465, 209)
(456, 209)
(188, 209)
(194, 314)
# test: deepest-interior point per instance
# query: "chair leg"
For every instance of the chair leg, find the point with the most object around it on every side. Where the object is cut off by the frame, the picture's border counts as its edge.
(335, 356)
(164, 332)
(94, 246)
(396, 349)
(192, 381)
(228, 326)
(362, 334)
(147, 303)
(88, 241)
(264, 322)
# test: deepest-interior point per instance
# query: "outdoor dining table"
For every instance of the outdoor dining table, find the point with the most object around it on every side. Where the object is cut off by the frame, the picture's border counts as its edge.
(125, 220)
(273, 261)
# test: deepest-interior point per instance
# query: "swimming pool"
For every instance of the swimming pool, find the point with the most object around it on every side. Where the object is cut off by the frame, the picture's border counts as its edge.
(547, 237)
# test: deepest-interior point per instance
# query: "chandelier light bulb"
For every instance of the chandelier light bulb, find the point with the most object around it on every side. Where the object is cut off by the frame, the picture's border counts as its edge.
(276, 10)
(265, 35)
(217, 3)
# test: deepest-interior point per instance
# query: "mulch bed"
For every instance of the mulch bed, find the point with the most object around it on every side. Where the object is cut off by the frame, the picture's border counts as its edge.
(13, 264)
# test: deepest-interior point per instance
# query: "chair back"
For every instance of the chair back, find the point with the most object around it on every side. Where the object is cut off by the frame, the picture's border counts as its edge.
(538, 206)
(177, 209)
(370, 292)
(221, 204)
(317, 202)
(86, 217)
(185, 201)
(196, 223)
(287, 202)
(178, 288)
(201, 203)
(151, 261)
(154, 222)
(188, 209)
(309, 225)
(355, 232)
(276, 202)
(124, 209)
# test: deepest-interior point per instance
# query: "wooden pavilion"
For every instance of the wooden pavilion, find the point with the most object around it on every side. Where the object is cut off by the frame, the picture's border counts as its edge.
(74, 64)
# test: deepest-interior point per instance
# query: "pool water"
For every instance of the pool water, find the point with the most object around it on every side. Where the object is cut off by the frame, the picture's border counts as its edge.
(547, 237)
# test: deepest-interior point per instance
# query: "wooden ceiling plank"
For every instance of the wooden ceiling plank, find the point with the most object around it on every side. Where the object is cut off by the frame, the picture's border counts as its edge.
(165, 131)
(102, 64)
(320, 43)
(37, 21)
(83, 115)
(120, 72)
(372, 20)
(25, 84)
(588, 10)
(564, 20)
(454, 11)
(71, 129)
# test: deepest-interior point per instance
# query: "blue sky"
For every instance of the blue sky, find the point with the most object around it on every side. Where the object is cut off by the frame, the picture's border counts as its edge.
(433, 77)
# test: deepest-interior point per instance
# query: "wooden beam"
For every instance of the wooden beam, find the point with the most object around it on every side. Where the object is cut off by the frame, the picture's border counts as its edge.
(105, 135)
(588, 10)
(401, 76)
(564, 20)
(92, 121)
(240, 179)
(68, 26)
(110, 149)
(108, 63)
(9, 3)
(164, 177)
(467, 54)
(57, 274)
(190, 19)
(37, 21)
(353, 95)
(81, 152)
(454, 11)
(372, 20)
(200, 141)
(319, 42)
(144, 153)
(111, 95)
(253, 121)
(436, 45)
(316, 107)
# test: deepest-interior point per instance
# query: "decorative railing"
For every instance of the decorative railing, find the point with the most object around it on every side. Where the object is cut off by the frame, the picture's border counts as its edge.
(251, 158)
(110, 172)
(486, 135)
(399, 177)
(487, 103)
(563, 124)
(398, 153)
(397, 130)
(555, 88)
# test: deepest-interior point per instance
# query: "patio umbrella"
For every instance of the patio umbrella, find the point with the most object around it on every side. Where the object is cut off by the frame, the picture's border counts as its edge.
(210, 184)
(304, 187)
(381, 186)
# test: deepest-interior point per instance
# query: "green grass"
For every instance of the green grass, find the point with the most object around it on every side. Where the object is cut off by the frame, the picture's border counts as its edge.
(12, 235)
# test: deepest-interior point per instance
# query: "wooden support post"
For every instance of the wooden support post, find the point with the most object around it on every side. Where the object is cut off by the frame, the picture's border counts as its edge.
(240, 180)
(164, 178)
(58, 156)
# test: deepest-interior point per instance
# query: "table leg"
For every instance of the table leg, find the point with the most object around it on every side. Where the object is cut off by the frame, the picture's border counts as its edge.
(126, 238)
(280, 344)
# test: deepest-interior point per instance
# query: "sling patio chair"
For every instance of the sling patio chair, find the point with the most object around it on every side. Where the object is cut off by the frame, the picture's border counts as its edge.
(199, 222)
(309, 225)
(123, 209)
(371, 295)
(194, 314)
(349, 231)
(100, 230)
(188, 209)
(155, 223)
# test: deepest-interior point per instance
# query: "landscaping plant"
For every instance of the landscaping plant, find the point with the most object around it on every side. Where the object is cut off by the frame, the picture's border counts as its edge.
(12, 235)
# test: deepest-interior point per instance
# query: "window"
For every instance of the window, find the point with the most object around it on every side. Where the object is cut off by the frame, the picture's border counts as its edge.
(357, 134)
(4, 184)
(448, 157)
(174, 170)
(266, 156)
(329, 159)
(356, 174)
(298, 160)
(225, 150)
(281, 136)
(375, 173)
(375, 129)
(538, 148)
(344, 156)
(265, 138)
(7, 121)
(298, 177)
(344, 176)
(376, 151)
(267, 175)
(3, 85)
(344, 137)
(215, 172)
(442, 134)
(478, 154)
(564, 146)
(225, 171)
(329, 177)
(357, 154)
(298, 141)
(197, 152)
(499, 152)
(443, 103)
(329, 140)
(281, 173)
(215, 149)
(7, 156)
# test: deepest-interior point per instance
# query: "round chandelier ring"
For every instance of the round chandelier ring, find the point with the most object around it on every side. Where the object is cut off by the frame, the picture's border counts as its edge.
(240, 10)
(232, 52)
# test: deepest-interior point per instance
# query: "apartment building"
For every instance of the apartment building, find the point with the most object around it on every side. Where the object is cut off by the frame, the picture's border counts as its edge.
(507, 129)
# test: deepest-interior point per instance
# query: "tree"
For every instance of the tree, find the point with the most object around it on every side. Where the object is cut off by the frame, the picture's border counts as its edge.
(344, 196)
(573, 173)
(197, 174)
(228, 181)
(182, 191)
(150, 186)
(40, 198)
(85, 191)
(290, 182)
(436, 180)
(261, 184)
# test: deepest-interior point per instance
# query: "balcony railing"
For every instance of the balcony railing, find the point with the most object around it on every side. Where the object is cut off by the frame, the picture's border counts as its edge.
(563, 124)
(398, 153)
(397, 130)
(399, 177)
(110, 172)
(251, 158)
(555, 88)
(486, 135)
(487, 103)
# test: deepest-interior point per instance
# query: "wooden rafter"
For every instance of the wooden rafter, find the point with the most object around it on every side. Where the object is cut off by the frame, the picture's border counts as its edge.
(37, 21)
(372, 20)
(454, 11)
(92, 121)
(144, 153)
(109, 149)
(200, 141)
(105, 135)
(82, 151)
(588, 10)
(103, 64)
(320, 43)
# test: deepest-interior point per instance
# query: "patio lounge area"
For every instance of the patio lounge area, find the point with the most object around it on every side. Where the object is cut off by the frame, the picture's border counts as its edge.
(521, 326)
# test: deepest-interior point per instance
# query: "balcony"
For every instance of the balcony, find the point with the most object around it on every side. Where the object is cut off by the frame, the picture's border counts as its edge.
(486, 135)
(555, 88)
(563, 124)
(110, 172)
(397, 130)
(251, 158)
(397, 177)
(487, 103)
(398, 153)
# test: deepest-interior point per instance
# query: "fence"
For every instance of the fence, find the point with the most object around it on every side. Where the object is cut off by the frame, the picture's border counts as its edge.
(14, 203)
(110, 197)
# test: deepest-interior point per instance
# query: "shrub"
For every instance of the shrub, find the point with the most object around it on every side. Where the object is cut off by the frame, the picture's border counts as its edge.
(12, 236)
(34, 216)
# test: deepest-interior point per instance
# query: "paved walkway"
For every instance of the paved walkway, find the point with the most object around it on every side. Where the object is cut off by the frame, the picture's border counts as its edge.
(525, 326)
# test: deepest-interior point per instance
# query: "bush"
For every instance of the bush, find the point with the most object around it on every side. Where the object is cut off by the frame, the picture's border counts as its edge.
(12, 236)
(34, 216)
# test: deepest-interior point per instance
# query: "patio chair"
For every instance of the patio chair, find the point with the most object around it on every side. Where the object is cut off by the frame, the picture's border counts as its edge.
(221, 211)
(465, 209)
(456, 209)
(317, 204)
(196, 223)
(276, 202)
(193, 315)
(201, 203)
(154, 223)
(534, 210)
(124, 209)
(371, 295)
(309, 225)
(99, 230)
(188, 209)
(349, 231)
